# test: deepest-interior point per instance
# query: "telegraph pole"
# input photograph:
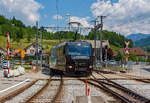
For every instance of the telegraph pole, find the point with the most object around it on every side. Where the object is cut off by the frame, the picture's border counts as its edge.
(36, 43)
(95, 38)
(68, 20)
(106, 50)
(101, 44)
(41, 46)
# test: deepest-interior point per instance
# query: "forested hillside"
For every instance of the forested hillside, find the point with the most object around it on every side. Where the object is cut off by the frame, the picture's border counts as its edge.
(19, 31)
(138, 36)
(16, 29)
(143, 43)
(115, 39)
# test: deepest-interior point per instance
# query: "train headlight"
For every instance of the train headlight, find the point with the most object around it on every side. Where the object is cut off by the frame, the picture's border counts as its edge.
(70, 67)
(90, 66)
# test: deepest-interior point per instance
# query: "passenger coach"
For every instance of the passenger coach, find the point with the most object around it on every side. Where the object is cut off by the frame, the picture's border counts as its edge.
(72, 57)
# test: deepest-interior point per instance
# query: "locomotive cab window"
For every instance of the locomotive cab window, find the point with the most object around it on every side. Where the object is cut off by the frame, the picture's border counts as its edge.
(78, 49)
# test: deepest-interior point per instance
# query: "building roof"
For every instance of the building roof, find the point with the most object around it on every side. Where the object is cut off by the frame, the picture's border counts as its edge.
(104, 43)
(137, 51)
(17, 51)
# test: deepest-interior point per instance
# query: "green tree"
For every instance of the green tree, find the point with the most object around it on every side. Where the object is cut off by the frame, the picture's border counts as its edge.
(3, 20)
(17, 23)
(120, 56)
(132, 57)
(114, 38)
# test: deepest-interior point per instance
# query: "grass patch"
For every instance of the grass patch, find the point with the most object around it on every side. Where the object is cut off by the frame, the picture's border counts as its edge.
(47, 44)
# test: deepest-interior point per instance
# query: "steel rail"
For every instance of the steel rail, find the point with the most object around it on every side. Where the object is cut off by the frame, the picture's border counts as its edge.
(137, 78)
(38, 92)
(44, 88)
(58, 92)
(113, 93)
(18, 91)
(124, 89)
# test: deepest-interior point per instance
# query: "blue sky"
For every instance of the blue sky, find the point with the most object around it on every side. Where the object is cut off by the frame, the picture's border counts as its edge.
(79, 8)
(123, 16)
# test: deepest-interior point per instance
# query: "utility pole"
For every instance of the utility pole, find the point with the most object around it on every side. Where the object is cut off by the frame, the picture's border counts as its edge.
(36, 43)
(68, 15)
(80, 33)
(42, 28)
(79, 30)
(106, 50)
(101, 44)
(95, 37)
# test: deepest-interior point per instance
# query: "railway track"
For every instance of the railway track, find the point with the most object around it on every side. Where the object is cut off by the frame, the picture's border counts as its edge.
(137, 78)
(131, 95)
(50, 93)
(117, 96)
(38, 90)
(128, 77)
(17, 92)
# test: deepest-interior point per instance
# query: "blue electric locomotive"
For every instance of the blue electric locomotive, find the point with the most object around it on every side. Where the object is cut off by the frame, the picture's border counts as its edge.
(72, 57)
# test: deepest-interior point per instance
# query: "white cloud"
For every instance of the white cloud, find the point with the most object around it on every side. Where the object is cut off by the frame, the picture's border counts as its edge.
(82, 21)
(57, 17)
(125, 16)
(25, 10)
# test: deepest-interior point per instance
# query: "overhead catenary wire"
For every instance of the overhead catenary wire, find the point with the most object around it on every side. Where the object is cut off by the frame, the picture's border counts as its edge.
(57, 28)
(57, 11)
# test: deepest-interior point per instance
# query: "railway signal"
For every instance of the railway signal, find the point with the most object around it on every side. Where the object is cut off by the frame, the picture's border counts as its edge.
(36, 43)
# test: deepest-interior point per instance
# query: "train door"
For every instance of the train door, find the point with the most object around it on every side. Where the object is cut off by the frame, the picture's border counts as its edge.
(61, 59)
(53, 58)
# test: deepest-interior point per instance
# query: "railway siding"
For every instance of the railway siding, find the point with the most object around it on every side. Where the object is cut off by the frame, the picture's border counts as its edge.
(113, 83)
(139, 87)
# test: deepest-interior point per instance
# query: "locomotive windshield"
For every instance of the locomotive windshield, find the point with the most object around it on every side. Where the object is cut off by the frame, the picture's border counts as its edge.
(79, 49)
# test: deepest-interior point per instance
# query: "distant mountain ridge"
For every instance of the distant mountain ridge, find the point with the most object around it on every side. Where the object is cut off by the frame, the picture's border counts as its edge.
(143, 43)
(138, 36)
